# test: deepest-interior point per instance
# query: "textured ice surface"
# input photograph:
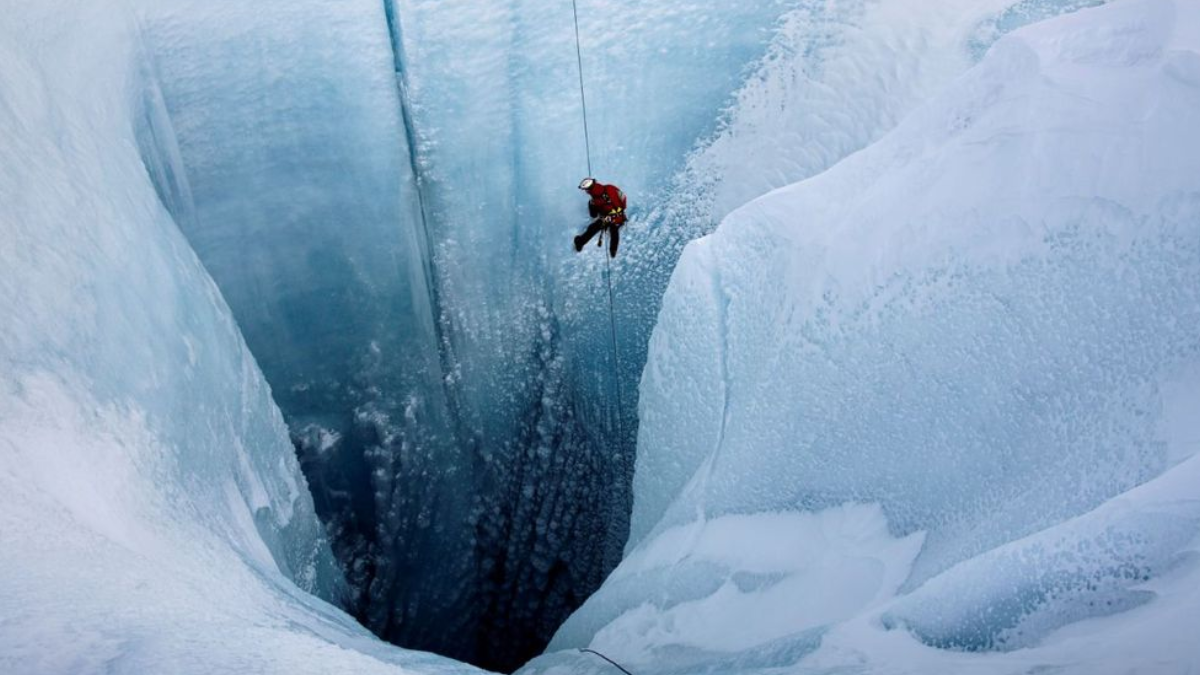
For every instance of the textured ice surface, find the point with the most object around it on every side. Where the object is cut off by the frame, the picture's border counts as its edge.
(938, 401)
(985, 324)
(385, 195)
(153, 517)
(444, 408)
(286, 123)
(835, 77)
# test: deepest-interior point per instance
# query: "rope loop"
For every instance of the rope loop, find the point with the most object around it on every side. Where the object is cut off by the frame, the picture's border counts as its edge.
(614, 663)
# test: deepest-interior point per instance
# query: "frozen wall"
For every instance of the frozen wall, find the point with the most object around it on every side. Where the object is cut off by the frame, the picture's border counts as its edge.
(835, 78)
(286, 126)
(679, 96)
(385, 194)
(495, 111)
(942, 398)
(153, 517)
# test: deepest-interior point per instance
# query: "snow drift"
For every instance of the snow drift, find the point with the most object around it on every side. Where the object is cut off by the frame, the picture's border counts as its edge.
(954, 379)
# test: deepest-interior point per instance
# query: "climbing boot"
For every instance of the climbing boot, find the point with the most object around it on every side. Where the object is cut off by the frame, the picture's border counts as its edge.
(579, 242)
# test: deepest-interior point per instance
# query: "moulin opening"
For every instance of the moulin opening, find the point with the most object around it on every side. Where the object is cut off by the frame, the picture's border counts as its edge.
(461, 536)
(543, 512)
(471, 510)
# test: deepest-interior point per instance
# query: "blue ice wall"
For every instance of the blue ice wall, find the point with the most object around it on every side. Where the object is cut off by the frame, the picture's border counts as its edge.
(278, 141)
(385, 192)
(406, 302)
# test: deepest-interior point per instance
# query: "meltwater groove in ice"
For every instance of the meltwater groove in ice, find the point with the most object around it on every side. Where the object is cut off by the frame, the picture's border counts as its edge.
(951, 410)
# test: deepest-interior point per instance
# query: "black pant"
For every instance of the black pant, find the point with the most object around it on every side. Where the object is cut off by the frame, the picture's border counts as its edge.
(598, 225)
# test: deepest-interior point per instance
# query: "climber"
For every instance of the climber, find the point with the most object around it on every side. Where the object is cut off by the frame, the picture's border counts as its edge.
(607, 208)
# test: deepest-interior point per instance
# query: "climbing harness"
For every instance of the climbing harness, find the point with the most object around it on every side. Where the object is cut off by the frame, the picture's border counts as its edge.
(615, 664)
(612, 321)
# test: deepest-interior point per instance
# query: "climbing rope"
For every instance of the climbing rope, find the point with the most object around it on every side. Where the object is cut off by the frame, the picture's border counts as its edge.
(612, 325)
(615, 664)
(587, 143)
(587, 140)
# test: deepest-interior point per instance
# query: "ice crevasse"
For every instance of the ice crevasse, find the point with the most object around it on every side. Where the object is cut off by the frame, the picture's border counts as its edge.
(936, 409)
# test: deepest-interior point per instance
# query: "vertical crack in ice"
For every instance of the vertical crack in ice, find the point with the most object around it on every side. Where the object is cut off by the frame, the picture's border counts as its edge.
(425, 238)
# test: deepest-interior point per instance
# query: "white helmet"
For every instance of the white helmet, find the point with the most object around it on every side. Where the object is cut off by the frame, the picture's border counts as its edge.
(587, 183)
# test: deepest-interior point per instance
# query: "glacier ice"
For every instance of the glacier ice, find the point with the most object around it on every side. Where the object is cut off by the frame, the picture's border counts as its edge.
(301, 202)
(892, 418)
(153, 517)
(984, 325)
(387, 216)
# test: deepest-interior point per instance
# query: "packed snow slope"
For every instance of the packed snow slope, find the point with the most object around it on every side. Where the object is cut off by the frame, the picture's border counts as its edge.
(153, 517)
(937, 408)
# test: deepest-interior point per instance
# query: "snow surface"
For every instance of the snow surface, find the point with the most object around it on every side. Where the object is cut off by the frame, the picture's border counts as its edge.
(955, 375)
(153, 517)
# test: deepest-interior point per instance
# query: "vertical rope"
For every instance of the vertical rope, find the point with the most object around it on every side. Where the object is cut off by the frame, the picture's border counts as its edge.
(612, 324)
(587, 139)
(612, 320)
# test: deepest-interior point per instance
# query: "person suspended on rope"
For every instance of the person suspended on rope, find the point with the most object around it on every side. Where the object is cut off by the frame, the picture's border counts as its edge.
(607, 208)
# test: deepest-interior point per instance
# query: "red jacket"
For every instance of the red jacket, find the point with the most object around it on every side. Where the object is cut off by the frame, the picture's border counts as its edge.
(607, 201)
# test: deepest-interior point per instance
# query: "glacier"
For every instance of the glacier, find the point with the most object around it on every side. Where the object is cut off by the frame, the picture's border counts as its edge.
(924, 402)
(934, 409)
(386, 218)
